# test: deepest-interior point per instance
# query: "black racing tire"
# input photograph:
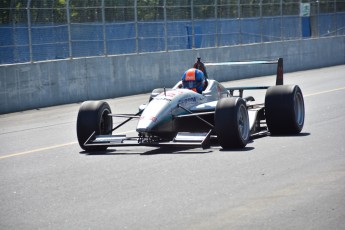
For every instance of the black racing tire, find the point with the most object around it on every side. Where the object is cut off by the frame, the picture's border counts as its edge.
(93, 117)
(284, 109)
(232, 123)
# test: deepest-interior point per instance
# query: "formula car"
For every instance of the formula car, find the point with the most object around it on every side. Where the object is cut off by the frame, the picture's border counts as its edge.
(181, 117)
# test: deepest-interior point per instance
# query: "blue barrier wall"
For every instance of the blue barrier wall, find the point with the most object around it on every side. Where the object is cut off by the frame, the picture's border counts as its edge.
(51, 41)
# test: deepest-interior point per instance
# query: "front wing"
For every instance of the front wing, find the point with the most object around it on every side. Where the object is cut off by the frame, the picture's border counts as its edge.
(192, 140)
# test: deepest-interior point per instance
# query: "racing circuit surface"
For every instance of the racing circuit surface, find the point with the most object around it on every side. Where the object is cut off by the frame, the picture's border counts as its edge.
(294, 182)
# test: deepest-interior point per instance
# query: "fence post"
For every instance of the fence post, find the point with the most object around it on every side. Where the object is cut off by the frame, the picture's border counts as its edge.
(261, 22)
(216, 18)
(69, 30)
(239, 12)
(165, 26)
(136, 26)
(281, 21)
(193, 29)
(105, 50)
(335, 18)
(29, 29)
(317, 20)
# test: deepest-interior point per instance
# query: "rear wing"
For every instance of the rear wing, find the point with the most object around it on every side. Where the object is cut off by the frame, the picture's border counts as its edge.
(279, 62)
(279, 75)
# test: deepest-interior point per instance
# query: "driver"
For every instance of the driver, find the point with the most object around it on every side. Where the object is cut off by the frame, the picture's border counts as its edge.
(193, 79)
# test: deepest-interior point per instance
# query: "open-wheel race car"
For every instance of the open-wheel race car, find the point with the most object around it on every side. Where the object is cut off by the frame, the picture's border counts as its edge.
(182, 117)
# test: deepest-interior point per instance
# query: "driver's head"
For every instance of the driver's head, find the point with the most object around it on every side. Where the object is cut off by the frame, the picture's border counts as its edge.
(193, 79)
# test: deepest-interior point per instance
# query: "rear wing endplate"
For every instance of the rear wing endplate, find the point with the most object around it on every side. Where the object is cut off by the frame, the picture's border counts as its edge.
(279, 62)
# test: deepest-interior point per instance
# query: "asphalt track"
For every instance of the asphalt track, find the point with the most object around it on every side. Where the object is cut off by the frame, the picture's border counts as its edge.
(286, 182)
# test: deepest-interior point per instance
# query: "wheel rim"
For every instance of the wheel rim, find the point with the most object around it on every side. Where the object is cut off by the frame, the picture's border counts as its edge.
(105, 124)
(299, 108)
(243, 122)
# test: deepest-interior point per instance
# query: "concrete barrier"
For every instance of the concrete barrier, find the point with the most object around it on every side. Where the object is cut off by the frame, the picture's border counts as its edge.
(37, 85)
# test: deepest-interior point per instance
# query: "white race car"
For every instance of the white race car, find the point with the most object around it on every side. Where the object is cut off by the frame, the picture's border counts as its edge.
(182, 117)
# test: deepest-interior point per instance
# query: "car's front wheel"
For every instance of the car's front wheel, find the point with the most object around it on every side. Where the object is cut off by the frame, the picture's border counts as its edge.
(232, 123)
(93, 116)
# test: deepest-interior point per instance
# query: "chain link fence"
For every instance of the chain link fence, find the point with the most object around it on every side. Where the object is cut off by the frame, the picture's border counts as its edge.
(38, 30)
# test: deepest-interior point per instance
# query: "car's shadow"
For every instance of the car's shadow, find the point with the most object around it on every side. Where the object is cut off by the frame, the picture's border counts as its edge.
(245, 149)
(165, 150)
(156, 151)
(303, 134)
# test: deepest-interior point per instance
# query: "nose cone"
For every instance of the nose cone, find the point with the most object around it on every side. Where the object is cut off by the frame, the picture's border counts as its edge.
(155, 114)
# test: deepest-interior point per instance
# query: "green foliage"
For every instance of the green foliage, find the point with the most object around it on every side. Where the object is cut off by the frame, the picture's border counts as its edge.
(55, 11)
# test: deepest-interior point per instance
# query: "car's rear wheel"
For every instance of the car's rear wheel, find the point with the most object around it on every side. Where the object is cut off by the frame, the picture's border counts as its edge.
(232, 123)
(93, 117)
(284, 109)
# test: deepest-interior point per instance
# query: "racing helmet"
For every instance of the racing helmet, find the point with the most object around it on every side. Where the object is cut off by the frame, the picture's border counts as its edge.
(193, 79)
